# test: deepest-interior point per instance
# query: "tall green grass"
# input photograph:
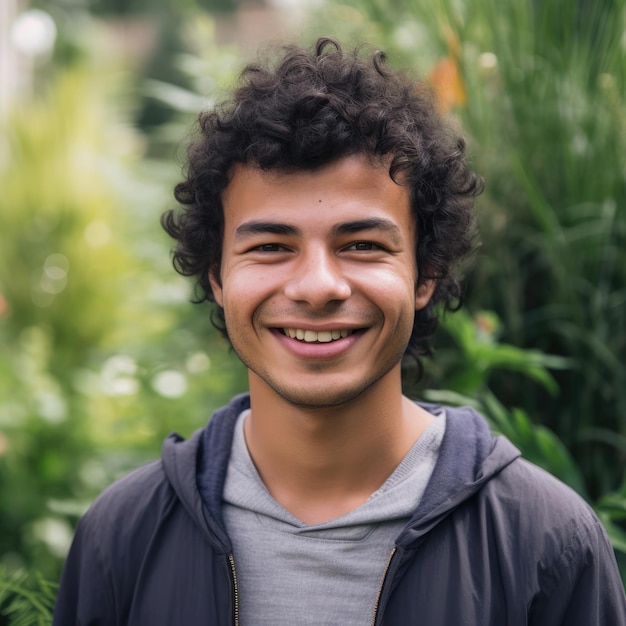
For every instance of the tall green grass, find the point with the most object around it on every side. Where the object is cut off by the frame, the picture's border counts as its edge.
(549, 128)
(545, 109)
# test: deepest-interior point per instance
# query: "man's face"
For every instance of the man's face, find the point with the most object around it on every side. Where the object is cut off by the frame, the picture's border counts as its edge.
(318, 279)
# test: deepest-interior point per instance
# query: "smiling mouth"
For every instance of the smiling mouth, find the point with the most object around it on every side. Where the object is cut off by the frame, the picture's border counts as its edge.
(312, 336)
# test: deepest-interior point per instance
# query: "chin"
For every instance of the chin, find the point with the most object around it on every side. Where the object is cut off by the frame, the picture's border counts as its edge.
(317, 401)
(313, 397)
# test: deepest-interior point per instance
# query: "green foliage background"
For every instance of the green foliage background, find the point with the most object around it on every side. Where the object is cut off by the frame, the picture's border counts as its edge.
(101, 353)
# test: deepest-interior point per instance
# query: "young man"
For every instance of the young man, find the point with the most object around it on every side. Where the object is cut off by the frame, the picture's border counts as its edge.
(326, 208)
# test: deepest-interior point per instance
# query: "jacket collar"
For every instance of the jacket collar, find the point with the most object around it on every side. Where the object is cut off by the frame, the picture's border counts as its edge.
(196, 468)
(469, 457)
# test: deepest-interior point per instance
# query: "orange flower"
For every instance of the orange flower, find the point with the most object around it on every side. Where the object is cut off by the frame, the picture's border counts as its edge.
(447, 83)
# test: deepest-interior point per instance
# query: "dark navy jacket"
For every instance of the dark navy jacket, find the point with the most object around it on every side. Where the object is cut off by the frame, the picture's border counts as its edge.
(495, 541)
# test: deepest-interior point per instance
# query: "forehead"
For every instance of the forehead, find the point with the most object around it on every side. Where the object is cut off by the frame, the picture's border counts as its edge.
(348, 189)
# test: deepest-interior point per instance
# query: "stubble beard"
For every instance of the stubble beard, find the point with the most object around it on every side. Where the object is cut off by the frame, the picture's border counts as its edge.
(315, 399)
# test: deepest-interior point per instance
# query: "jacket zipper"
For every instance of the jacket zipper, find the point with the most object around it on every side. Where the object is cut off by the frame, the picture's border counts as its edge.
(231, 560)
(380, 588)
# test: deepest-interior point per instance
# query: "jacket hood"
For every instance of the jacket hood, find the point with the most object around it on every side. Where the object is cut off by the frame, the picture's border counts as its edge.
(205, 454)
(469, 457)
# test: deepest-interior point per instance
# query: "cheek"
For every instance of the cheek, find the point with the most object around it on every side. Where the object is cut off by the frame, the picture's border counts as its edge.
(390, 286)
(394, 296)
(245, 289)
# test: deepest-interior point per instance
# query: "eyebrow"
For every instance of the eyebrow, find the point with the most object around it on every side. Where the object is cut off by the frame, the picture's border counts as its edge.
(373, 223)
(257, 227)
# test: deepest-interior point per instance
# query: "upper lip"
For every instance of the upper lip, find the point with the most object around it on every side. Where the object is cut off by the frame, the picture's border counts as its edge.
(321, 336)
(319, 327)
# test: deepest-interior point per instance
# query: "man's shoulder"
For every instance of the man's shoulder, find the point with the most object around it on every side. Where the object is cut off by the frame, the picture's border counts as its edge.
(474, 460)
(542, 508)
(153, 483)
(140, 519)
(135, 504)
(134, 496)
(137, 483)
(535, 487)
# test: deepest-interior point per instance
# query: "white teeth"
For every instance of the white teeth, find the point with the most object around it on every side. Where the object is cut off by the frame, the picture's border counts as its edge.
(312, 336)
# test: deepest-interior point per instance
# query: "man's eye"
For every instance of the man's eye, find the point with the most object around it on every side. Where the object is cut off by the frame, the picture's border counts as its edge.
(269, 247)
(364, 246)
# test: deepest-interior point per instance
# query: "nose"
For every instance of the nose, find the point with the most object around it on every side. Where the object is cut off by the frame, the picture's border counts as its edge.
(318, 280)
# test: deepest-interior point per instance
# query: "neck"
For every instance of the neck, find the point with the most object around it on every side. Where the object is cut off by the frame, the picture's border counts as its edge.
(322, 462)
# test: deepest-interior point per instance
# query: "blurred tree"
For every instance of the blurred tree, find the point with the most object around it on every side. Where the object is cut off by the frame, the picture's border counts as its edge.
(99, 359)
(160, 24)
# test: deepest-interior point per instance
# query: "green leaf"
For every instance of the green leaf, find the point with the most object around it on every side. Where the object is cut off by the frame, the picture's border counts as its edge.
(26, 599)
(178, 98)
(617, 535)
(452, 398)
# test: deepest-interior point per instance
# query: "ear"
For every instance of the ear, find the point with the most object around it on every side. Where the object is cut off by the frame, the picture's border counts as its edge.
(424, 292)
(216, 285)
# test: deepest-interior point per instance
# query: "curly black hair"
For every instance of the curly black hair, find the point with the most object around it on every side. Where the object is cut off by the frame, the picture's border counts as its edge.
(308, 109)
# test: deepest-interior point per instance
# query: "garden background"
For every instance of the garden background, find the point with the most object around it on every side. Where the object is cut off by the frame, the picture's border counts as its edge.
(101, 353)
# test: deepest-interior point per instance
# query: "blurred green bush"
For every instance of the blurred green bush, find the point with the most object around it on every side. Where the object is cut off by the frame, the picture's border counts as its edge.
(102, 354)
